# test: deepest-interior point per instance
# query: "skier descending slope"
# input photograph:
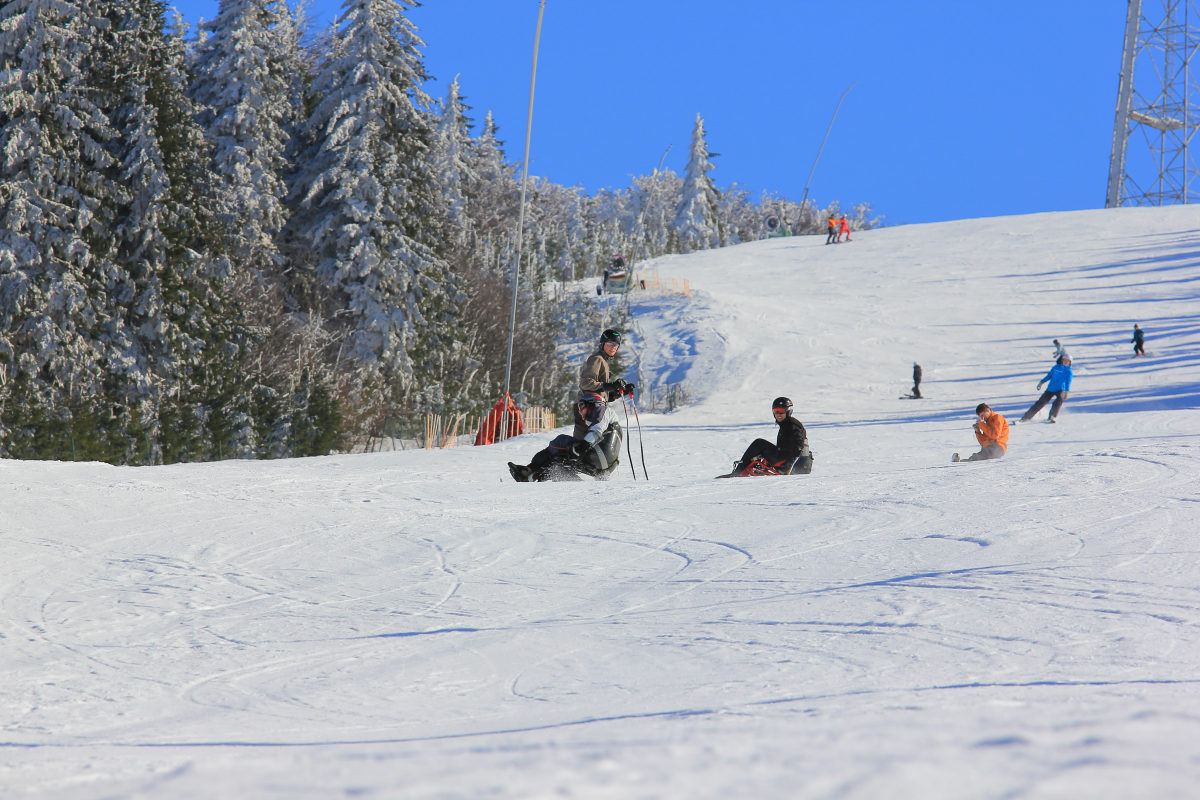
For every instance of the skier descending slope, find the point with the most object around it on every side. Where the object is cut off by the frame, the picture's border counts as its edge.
(789, 455)
(1059, 377)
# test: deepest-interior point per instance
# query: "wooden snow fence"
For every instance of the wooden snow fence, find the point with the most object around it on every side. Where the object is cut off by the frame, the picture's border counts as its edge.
(444, 432)
(649, 280)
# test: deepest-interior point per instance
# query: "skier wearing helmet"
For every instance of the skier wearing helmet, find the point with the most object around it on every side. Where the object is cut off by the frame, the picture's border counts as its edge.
(789, 455)
(596, 373)
(590, 447)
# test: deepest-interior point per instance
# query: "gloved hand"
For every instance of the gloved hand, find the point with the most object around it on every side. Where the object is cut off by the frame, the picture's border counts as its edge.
(578, 447)
(1040, 384)
(621, 386)
(629, 387)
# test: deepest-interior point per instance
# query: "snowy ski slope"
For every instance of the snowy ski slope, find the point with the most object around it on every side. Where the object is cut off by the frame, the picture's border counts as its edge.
(415, 625)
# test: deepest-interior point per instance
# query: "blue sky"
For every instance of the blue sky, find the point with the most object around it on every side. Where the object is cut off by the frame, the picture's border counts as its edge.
(959, 109)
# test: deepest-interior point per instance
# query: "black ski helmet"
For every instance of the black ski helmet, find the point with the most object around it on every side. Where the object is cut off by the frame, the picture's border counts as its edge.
(784, 403)
(610, 336)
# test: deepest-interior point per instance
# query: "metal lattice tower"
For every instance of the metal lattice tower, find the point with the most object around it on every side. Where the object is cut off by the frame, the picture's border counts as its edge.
(1158, 107)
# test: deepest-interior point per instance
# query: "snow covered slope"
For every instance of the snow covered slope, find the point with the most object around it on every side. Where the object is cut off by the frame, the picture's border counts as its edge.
(416, 625)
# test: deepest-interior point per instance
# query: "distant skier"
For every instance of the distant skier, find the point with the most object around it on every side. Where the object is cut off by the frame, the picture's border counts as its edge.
(1059, 351)
(789, 455)
(1139, 341)
(832, 236)
(844, 228)
(916, 390)
(991, 431)
(1059, 377)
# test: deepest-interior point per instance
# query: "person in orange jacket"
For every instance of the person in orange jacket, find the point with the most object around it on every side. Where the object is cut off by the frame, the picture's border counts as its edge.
(844, 227)
(832, 237)
(991, 430)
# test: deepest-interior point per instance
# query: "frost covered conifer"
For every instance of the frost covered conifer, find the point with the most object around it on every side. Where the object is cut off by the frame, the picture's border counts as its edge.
(56, 192)
(653, 202)
(241, 84)
(366, 202)
(493, 200)
(451, 151)
(696, 221)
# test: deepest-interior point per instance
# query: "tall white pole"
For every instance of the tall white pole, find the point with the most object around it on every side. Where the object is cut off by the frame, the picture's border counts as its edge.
(512, 318)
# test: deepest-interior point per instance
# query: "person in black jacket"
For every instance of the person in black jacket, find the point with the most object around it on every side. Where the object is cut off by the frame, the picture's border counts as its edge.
(790, 454)
(916, 392)
(1138, 341)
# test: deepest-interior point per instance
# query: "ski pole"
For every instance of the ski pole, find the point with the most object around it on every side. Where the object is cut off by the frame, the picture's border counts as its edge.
(641, 446)
(628, 445)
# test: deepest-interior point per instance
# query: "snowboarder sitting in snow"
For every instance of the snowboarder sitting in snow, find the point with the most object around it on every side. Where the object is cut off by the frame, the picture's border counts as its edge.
(789, 455)
(1059, 377)
(991, 430)
(593, 448)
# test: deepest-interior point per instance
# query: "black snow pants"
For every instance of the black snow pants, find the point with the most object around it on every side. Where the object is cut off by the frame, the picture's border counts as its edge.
(773, 455)
(1055, 407)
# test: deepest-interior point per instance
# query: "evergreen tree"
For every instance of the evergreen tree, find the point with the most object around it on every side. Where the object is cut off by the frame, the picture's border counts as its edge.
(56, 192)
(241, 88)
(451, 151)
(494, 197)
(652, 207)
(366, 204)
(140, 335)
(696, 220)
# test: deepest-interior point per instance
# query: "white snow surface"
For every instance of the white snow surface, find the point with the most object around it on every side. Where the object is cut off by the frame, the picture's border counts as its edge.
(416, 625)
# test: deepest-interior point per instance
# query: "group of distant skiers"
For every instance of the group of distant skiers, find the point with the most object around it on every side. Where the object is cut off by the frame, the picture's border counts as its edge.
(991, 428)
(837, 229)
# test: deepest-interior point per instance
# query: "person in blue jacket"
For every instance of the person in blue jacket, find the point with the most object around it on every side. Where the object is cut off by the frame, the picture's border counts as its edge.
(1059, 380)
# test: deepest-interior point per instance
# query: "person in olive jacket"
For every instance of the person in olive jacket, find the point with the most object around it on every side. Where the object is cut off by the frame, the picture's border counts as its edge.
(596, 373)
(790, 454)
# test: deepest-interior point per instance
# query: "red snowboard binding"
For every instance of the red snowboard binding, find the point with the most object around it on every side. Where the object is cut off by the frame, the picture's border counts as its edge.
(757, 467)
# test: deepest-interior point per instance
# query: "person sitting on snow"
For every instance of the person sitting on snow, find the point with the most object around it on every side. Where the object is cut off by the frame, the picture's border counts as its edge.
(790, 453)
(592, 448)
(991, 430)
